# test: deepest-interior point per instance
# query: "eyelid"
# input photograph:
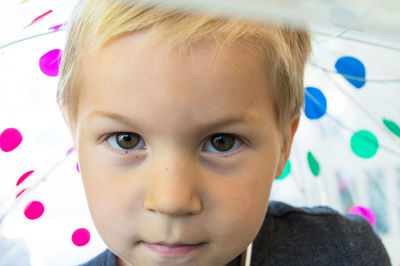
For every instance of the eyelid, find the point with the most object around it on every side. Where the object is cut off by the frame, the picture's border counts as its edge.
(242, 140)
(122, 150)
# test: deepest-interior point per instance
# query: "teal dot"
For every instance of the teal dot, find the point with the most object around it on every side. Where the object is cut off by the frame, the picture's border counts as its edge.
(313, 164)
(392, 126)
(286, 171)
(364, 144)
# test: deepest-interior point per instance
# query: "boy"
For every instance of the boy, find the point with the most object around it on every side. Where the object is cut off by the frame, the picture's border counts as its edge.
(181, 123)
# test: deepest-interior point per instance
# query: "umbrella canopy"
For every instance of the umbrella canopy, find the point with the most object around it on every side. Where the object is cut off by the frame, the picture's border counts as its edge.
(346, 153)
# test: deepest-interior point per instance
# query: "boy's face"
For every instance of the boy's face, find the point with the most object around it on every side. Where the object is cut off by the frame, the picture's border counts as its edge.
(177, 155)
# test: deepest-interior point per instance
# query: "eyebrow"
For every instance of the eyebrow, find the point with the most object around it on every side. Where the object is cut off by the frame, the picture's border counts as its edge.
(243, 117)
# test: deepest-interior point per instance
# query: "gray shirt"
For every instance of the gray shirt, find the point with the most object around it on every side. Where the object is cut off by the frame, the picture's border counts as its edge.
(305, 236)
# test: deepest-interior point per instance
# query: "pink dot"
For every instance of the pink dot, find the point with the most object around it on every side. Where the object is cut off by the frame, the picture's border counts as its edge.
(77, 167)
(24, 176)
(49, 63)
(19, 194)
(80, 237)
(34, 210)
(365, 212)
(10, 139)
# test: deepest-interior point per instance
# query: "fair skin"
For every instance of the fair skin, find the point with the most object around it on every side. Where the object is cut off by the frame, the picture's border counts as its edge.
(166, 180)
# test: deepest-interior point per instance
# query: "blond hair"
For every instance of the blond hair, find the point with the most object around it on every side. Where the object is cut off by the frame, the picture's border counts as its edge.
(284, 49)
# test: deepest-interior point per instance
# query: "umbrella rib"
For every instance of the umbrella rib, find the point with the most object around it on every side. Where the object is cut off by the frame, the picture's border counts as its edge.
(355, 77)
(361, 17)
(28, 38)
(343, 125)
(44, 177)
(397, 49)
(351, 130)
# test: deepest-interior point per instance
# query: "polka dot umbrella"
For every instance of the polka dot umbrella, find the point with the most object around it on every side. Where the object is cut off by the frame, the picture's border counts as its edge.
(43, 212)
(346, 153)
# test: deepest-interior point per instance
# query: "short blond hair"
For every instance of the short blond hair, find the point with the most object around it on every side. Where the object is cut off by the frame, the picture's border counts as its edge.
(283, 49)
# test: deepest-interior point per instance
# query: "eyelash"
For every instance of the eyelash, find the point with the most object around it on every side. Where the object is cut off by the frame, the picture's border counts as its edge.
(237, 139)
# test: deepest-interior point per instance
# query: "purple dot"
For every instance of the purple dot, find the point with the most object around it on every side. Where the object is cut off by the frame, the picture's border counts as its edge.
(34, 210)
(80, 237)
(70, 150)
(49, 63)
(365, 212)
(10, 139)
(77, 167)
(24, 176)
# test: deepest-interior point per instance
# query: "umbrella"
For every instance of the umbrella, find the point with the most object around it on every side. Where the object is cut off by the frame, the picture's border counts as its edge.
(346, 153)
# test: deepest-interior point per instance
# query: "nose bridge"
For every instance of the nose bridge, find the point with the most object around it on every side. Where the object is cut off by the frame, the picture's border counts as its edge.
(173, 186)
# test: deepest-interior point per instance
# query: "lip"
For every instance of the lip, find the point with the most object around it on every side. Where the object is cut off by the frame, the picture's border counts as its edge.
(177, 249)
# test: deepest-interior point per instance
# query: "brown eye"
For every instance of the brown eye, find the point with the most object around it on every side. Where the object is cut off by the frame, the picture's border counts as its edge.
(125, 141)
(222, 142)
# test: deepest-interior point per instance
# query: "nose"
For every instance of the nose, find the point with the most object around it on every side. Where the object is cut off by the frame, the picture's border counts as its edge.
(172, 190)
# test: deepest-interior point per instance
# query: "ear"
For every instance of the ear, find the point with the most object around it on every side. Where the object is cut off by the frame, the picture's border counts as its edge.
(287, 145)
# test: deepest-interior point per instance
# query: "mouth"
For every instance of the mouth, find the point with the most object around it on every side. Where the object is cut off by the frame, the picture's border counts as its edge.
(176, 249)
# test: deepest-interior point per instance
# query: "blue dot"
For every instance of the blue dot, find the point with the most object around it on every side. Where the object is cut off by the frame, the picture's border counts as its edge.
(352, 69)
(315, 103)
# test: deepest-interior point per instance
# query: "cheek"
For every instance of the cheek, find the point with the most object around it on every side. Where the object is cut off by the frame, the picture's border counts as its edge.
(113, 199)
(242, 202)
(110, 197)
(115, 212)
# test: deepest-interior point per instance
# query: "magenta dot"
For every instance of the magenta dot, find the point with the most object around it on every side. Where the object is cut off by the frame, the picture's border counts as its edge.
(80, 237)
(365, 212)
(34, 210)
(10, 139)
(58, 27)
(77, 167)
(49, 63)
(24, 176)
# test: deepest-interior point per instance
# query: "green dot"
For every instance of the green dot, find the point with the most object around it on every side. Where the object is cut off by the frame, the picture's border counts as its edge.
(313, 164)
(364, 144)
(286, 171)
(392, 126)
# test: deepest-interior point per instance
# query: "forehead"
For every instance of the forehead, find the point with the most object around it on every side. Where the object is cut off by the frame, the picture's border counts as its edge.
(135, 72)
